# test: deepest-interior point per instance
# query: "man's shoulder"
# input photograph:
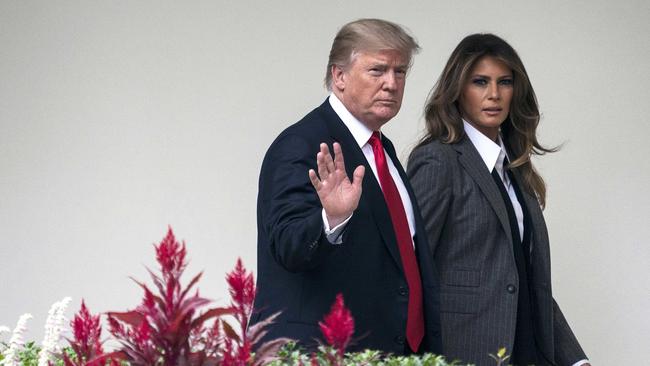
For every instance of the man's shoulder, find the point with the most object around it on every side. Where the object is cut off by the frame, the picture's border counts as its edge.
(312, 126)
(303, 136)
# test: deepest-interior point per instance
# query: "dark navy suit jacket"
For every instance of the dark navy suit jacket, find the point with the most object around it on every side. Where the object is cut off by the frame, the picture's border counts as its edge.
(300, 272)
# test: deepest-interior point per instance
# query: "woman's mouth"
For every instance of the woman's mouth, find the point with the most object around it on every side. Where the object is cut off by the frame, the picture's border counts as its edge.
(493, 111)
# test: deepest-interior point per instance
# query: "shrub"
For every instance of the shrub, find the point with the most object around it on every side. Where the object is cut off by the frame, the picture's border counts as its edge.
(174, 326)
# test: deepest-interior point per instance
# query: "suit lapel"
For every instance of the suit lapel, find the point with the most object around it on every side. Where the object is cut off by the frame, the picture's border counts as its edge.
(539, 238)
(539, 269)
(372, 196)
(471, 161)
(390, 149)
(422, 249)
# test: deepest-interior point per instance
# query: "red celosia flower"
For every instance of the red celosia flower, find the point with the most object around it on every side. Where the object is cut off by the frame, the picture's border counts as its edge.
(86, 344)
(115, 327)
(229, 359)
(171, 255)
(338, 325)
(143, 334)
(242, 291)
(86, 330)
(169, 327)
(242, 287)
(169, 320)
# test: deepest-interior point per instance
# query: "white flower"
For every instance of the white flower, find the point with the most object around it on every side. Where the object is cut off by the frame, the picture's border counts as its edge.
(4, 329)
(53, 329)
(16, 342)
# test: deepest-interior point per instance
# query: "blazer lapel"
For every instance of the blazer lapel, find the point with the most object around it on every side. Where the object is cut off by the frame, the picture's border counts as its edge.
(540, 268)
(390, 149)
(372, 196)
(539, 238)
(471, 161)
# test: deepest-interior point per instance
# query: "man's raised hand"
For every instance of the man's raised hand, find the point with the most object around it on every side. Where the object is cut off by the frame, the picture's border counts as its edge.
(337, 194)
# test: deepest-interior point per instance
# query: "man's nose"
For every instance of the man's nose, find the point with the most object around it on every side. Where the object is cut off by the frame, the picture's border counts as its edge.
(390, 81)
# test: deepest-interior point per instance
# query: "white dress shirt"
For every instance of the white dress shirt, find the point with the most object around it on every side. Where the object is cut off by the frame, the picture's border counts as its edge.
(361, 134)
(493, 155)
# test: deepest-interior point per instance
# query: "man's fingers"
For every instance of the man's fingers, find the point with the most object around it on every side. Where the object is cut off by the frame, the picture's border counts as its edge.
(322, 159)
(328, 157)
(357, 176)
(339, 162)
(314, 179)
(321, 165)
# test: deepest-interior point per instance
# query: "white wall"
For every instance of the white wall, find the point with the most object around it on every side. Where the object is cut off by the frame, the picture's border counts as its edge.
(118, 118)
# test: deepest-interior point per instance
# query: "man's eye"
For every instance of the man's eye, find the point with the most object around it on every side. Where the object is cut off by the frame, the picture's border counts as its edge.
(375, 71)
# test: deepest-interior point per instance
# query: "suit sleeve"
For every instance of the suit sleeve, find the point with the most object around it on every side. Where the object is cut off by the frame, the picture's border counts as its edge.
(289, 208)
(430, 176)
(567, 348)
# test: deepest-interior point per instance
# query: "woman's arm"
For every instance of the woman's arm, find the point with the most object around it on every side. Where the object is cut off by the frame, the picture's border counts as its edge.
(429, 171)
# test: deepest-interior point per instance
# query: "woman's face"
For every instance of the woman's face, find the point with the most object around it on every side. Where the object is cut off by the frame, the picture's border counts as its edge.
(486, 96)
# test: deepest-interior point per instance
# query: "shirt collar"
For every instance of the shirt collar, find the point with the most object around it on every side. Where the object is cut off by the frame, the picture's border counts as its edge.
(359, 131)
(491, 152)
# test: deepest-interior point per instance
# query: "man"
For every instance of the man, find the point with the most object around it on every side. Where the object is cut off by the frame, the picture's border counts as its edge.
(321, 233)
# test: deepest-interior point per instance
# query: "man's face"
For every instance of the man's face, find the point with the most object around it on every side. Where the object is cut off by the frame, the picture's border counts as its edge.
(372, 86)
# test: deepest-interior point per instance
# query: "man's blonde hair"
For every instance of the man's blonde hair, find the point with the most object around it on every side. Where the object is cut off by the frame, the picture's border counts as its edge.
(368, 35)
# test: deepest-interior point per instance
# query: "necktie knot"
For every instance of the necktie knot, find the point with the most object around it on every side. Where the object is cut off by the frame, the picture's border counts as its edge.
(500, 167)
(375, 140)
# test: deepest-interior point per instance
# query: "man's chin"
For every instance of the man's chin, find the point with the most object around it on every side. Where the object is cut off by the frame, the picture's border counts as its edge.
(387, 114)
(377, 120)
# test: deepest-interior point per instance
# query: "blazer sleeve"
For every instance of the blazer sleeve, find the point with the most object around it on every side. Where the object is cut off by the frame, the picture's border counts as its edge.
(289, 209)
(567, 348)
(430, 176)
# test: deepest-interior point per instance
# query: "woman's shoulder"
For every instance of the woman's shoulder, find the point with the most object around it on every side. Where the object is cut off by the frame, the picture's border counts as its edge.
(435, 149)
(434, 153)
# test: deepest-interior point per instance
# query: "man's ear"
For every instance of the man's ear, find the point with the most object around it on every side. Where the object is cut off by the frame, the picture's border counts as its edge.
(338, 77)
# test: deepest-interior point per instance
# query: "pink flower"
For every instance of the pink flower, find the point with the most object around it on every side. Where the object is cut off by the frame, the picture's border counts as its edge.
(242, 288)
(338, 325)
(242, 291)
(170, 319)
(87, 331)
(171, 255)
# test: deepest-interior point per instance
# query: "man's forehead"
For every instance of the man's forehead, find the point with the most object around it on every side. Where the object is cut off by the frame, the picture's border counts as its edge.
(383, 56)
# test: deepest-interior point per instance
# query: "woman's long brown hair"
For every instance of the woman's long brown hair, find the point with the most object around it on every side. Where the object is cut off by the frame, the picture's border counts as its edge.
(444, 120)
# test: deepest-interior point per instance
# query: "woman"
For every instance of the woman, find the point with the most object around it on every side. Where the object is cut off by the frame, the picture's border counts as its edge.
(480, 197)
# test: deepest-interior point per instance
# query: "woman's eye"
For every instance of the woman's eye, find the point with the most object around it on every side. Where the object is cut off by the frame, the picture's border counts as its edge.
(480, 82)
(506, 82)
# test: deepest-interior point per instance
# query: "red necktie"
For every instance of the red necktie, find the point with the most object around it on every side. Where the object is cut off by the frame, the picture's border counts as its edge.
(415, 319)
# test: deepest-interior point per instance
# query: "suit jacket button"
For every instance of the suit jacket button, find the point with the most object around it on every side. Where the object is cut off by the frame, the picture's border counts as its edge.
(403, 291)
(511, 288)
(399, 340)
